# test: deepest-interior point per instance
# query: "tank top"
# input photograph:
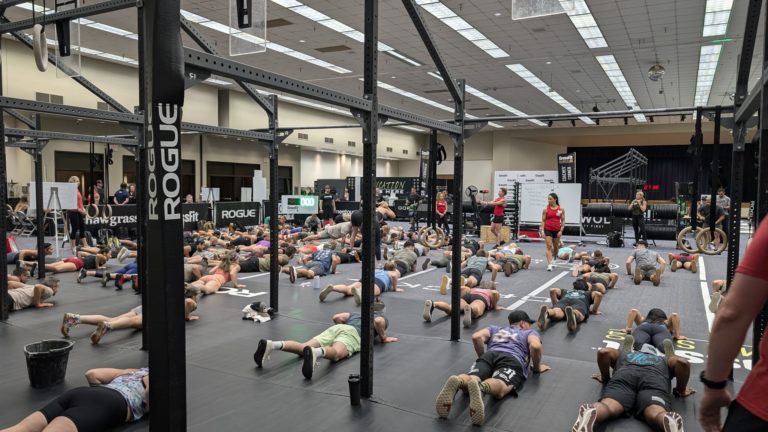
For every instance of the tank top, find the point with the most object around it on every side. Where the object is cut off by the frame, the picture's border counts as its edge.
(383, 277)
(484, 293)
(552, 220)
(442, 206)
(131, 387)
(220, 272)
(498, 210)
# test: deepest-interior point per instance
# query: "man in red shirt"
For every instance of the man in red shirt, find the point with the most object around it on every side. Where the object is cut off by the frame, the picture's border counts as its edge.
(746, 298)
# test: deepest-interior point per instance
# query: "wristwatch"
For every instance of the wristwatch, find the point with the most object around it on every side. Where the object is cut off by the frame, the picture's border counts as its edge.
(711, 384)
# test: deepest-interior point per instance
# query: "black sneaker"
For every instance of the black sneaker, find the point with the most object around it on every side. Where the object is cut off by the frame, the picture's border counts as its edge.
(104, 278)
(262, 352)
(119, 281)
(426, 264)
(448, 266)
(309, 362)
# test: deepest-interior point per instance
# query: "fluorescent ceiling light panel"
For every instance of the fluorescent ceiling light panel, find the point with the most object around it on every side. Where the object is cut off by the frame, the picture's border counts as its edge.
(708, 58)
(491, 100)
(458, 24)
(612, 69)
(533, 80)
(197, 19)
(716, 16)
(585, 23)
(339, 27)
(109, 29)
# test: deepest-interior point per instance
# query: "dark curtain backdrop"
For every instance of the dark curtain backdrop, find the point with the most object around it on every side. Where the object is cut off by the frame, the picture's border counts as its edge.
(667, 165)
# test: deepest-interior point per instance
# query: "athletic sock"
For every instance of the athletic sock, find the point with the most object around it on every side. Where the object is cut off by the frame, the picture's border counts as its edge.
(485, 387)
(278, 345)
(319, 352)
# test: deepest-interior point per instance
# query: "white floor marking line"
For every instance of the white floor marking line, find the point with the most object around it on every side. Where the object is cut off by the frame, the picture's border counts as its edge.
(418, 273)
(261, 274)
(705, 293)
(533, 293)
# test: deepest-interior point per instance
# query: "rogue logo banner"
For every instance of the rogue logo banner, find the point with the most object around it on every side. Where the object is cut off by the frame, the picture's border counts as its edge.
(245, 213)
(164, 122)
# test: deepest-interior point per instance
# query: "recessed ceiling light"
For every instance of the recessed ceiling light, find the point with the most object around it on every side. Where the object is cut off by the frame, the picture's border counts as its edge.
(549, 62)
(497, 14)
(301, 41)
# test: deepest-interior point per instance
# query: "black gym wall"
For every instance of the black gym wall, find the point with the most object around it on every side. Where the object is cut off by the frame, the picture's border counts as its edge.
(666, 165)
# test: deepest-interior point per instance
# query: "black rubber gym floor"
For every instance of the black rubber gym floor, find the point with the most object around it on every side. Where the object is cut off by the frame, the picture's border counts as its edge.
(225, 390)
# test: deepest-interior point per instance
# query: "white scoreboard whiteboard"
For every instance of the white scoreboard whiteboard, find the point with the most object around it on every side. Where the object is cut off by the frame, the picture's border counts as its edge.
(533, 199)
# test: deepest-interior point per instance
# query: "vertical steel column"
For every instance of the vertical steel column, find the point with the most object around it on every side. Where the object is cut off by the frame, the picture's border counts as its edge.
(458, 222)
(141, 190)
(164, 74)
(370, 141)
(714, 172)
(40, 213)
(432, 180)
(274, 196)
(698, 144)
(4, 304)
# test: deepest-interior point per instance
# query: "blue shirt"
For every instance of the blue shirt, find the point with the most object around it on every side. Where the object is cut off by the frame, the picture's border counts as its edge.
(121, 195)
(514, 341)
(383, 277)
(324, 257)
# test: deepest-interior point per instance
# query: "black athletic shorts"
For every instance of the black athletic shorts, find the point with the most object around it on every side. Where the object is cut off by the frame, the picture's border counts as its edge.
(250, 265)
(741, 420)
(500, 365)
(636, 389)
(379, 284)
(497, 219)
(553, 234)
(477, 274)
(89, 262)
(91, 409)
(593, 279)
(402, 267)
(469, 298)
(241, 241)
(575, 304)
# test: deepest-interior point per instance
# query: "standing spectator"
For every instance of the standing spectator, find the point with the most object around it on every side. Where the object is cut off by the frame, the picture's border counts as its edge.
(724, 201)
(327, 204)
(637, 207)
(704, 210)
(132, 194)
(189, 199)
(441, 208)
(77, 218)
(746, 298)
(100, 199)
(121, 196)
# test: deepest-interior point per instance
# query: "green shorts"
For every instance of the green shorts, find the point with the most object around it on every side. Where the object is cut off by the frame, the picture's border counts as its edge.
(343, 333)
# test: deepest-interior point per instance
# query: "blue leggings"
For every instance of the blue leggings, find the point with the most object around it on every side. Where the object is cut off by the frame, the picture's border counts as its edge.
(650, 333)
(132, 268)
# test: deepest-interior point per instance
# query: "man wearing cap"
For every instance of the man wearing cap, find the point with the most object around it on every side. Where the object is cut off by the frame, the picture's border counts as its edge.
(649, 265)
(500, 369)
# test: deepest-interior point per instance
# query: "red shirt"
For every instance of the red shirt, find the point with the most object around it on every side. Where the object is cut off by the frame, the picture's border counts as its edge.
(442, 206)
(552, 220)
(752, 394)
(80, 201)
(498, 210)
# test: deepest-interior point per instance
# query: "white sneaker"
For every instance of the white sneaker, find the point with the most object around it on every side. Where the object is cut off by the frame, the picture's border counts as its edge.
(714, 303)
(575, 270)
(467, 316)
(549, 267)
(427, 311)
(356, 295)
(586, 419)
(672, 422)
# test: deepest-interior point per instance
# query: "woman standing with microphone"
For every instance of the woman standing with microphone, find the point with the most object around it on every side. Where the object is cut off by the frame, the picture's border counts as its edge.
(498, 213)
(637, 208)
(552, 224)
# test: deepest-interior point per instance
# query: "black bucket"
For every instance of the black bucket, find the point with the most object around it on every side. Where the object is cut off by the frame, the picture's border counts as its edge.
(47, 362)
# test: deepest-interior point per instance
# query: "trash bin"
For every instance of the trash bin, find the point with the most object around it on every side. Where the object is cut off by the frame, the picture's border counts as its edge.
(47, 361)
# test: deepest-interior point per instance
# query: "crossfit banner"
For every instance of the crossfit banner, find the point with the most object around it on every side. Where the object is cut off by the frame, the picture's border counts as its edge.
(126, 216)
(566, 167)
(243, 213)
(399, 187)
